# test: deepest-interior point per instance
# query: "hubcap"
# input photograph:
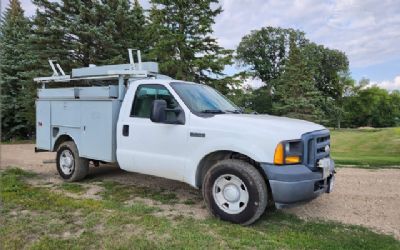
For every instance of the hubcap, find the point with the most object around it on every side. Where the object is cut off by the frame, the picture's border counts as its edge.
(67, 162)
(230, 194)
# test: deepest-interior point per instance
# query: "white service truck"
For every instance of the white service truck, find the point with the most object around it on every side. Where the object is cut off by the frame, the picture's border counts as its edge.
(184, 131)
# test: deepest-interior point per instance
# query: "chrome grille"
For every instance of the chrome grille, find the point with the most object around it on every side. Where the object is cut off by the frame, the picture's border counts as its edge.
(315, 147)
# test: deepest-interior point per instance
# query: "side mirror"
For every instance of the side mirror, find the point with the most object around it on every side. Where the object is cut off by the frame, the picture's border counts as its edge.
(158, 109)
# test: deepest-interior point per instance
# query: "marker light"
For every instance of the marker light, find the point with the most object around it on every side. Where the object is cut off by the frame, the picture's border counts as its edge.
(278, 157)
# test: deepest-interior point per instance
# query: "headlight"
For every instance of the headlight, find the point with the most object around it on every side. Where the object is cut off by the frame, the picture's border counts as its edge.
(288, 152)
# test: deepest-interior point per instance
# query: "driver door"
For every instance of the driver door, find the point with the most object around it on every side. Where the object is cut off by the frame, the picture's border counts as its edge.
(152, 148)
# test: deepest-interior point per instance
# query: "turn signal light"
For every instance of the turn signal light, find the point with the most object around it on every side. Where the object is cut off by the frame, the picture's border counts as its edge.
(292, 159)
(278, 157)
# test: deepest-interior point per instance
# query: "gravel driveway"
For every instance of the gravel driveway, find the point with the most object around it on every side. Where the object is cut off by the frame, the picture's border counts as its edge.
(363, 197)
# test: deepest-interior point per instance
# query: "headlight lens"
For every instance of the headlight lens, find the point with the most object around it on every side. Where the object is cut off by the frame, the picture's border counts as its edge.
(288, 152)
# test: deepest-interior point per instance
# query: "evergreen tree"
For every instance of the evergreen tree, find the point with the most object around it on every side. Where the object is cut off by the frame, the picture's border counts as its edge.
(83, 32)
(182, 41)
(14, 30)
(296, 92)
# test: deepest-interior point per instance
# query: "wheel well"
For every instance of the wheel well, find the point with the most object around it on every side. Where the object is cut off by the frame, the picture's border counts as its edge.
(60, 140)
(209, 160)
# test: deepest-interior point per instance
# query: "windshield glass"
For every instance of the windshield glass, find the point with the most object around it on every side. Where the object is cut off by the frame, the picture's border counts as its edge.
(203, 99)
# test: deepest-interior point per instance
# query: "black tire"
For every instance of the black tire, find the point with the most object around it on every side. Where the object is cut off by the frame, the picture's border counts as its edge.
(81, 165)
(254, 182)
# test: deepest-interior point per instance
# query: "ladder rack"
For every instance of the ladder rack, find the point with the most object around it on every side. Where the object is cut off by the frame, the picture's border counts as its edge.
(106, 72)
(139, 70)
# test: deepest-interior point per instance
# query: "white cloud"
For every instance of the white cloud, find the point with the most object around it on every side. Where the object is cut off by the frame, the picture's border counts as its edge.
(368, 31)
(253, 83)
(388, 85)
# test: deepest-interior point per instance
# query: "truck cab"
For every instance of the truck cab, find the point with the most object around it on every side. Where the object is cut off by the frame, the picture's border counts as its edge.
(187, 132)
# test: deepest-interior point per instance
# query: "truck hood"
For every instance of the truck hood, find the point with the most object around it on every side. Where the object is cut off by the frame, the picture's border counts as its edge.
(286, 128)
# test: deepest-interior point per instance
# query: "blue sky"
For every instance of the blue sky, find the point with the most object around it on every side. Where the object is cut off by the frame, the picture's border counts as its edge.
(368, 31)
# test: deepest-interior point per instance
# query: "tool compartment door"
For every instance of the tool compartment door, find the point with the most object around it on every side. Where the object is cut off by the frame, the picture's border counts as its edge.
(97, 132)
(43, 136)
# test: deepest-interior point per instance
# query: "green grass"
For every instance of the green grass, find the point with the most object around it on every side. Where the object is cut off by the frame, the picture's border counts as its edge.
(34, 217)
(366, 147)
(73, 187)
(119, 192)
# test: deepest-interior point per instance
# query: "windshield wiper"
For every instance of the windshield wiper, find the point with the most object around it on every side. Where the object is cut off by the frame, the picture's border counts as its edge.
(236, 111)
(212, 111)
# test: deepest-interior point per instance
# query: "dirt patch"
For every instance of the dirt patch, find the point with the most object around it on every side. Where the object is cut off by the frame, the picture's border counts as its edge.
(363, 197)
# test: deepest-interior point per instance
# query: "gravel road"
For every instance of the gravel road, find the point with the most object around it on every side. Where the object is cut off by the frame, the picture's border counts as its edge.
(362, 197)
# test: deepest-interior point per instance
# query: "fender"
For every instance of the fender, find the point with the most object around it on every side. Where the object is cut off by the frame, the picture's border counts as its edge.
(235, 145)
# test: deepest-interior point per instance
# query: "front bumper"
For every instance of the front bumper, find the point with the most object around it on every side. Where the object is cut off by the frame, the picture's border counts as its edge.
(292, 184)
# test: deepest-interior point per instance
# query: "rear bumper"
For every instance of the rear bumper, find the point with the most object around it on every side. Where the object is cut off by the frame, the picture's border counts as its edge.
(293, 184)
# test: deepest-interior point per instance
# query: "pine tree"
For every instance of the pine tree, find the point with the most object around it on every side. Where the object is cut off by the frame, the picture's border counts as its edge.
(83, 32)
(182, 41)
(14, 30)
(298, 97)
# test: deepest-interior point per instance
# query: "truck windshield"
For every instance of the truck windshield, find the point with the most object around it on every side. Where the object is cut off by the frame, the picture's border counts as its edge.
(203, 99)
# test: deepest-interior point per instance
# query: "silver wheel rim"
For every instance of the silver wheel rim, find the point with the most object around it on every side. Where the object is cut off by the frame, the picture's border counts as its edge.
(230, 194)
(67, 162)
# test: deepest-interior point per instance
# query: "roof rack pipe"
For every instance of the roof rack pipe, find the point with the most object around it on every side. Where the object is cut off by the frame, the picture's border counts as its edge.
(121, 87)
(60, 69)
(139, 56)
(131, 61)
(55, 73)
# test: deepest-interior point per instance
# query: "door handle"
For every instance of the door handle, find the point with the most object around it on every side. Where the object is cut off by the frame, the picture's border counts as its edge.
(125, 130)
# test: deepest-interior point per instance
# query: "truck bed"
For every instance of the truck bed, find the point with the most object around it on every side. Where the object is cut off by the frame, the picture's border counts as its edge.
(87, 114)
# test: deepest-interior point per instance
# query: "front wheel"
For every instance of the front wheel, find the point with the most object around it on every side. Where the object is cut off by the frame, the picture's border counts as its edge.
(70, 166)
(235, 191)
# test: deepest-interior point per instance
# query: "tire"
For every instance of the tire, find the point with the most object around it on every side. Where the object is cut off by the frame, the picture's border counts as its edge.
(224, 191)
(70, 166)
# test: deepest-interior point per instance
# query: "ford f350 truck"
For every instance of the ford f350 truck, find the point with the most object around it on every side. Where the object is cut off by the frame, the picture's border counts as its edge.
(189, 132)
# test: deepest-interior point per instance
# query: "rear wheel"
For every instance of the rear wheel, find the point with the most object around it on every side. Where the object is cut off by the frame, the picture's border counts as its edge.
(235, 191)
(70, 166)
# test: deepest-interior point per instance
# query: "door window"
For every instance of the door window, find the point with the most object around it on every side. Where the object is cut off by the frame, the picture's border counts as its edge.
(144, 97)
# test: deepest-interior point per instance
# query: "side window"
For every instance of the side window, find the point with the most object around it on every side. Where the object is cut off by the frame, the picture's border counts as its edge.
(144, 97)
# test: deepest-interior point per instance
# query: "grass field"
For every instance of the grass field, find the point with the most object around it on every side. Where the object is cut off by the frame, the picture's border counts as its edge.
(366, 147)
(39, 217)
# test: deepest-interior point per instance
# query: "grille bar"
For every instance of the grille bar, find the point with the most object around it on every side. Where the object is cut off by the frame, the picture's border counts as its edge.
(315, 147)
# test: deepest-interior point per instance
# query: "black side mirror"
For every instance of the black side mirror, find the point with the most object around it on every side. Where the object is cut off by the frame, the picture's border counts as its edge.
(158, 109)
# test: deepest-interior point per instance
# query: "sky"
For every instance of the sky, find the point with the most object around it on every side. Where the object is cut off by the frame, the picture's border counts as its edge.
(368, 31)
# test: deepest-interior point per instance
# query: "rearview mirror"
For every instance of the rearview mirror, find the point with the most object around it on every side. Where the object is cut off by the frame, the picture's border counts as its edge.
(158, 109)
(159, 113)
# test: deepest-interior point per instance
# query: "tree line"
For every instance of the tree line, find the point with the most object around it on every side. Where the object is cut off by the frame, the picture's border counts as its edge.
(302, 79)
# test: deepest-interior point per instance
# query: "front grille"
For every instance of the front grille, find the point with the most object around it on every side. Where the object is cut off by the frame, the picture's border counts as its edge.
(315, 147)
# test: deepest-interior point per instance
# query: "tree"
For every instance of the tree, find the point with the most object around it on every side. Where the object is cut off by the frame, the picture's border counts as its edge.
(182, 41)
(336, 108)
(298, 96)
(266, 52)
(13, 32)
(79, 33)
(327, 66)
(373, 107)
